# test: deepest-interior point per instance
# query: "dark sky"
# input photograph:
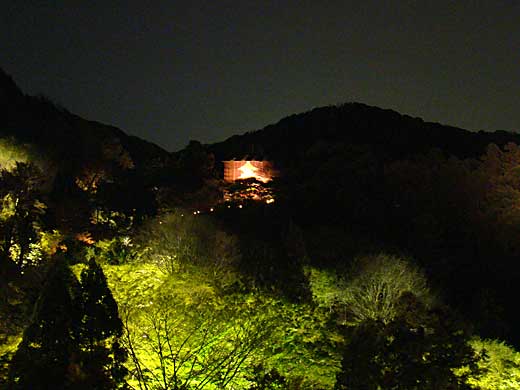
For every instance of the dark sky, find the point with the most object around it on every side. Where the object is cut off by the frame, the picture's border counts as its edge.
(171, 71)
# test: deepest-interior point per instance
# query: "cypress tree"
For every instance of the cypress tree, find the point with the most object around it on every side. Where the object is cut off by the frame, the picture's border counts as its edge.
(102, 356)
(47, 357)
(73, 339)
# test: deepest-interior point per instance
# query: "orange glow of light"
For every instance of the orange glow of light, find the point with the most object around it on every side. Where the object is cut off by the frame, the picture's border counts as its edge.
(85, 237)
(250, 171)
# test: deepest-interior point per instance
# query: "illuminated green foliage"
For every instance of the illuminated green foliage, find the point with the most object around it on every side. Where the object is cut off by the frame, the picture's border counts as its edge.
(304, 347)
(178, 241)
(183, 294)
(8, 347)
(371, 290)
(231, 333)
(14, 316)
(375, 285)
(175, 240)
(110, 219)
(118, 250)
(326, 286)
(11, 152)
(134, 285)
(215, 344)
(21, 212)
(179, 332)
(50, 242)
(263, 379)
(179, 345)
(499, 366)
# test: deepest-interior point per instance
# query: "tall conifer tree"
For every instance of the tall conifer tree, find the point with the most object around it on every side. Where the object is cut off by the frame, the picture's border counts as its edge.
(101, 327)
(47, 356)
(72, 341)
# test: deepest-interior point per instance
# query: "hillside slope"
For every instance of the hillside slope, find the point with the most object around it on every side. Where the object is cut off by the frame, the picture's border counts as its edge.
(390, 135)
(65, 137)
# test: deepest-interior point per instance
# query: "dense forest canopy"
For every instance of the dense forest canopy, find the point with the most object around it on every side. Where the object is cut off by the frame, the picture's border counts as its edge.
(383, 256)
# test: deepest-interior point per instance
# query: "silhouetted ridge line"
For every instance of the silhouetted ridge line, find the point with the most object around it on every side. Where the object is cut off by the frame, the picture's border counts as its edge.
(390, 134)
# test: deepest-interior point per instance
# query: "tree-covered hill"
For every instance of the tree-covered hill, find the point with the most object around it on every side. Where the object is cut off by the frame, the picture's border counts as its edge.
(390, 134)
(357, 178)
(385, 255)
(65, 136)
(70, 149)
(80, 162)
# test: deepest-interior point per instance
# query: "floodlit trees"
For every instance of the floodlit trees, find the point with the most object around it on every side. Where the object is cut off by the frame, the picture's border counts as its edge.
(12, 152)
(185, 325)
(182, 332)
(370, 290)
(199, 321)
(178, 240)
(175, 345)
(174, 241)
(21, 211)
(499, 366)
(375, 285)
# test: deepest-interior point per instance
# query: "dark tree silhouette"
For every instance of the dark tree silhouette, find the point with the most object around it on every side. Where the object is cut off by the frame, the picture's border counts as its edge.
(72, 341)
(102, 355)
(416, 351)
(47, 356)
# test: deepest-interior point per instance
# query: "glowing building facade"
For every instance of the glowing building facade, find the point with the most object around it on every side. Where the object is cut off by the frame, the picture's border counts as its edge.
(247, 169)
(236, 170)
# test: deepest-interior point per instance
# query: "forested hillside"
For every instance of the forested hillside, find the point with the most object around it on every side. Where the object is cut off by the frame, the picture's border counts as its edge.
(390, 134)
(386, 256)
(361, 179)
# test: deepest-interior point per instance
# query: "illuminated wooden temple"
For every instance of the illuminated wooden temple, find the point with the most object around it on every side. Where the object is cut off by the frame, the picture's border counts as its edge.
(248, 169)
(257, 190)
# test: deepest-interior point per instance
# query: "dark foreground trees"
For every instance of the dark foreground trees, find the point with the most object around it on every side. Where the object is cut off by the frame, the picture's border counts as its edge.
(102, 356)
(398, 337)
(418, 350)
(72, 341)
(48, 352)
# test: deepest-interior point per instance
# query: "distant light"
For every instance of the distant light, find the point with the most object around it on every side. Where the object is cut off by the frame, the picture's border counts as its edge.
(211, 209)
(269, 201)
(239, 206)
(194, 213)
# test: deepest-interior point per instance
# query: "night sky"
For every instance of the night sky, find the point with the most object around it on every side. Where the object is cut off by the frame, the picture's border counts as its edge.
(172, 71)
